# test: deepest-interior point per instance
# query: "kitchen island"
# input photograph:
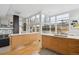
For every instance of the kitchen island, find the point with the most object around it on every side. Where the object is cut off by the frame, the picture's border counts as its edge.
(24, 44)
(62, 45)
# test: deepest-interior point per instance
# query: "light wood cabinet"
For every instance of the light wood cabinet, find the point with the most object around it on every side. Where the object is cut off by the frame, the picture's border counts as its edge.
(61, 45)
(73, 46)
(24, 44)
(46, 42)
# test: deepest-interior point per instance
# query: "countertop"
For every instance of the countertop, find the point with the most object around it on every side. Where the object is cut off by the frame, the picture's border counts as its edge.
(23, 34)
(68, 36)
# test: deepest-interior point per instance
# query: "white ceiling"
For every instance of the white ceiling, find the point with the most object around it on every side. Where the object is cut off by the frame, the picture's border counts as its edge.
(30, 9)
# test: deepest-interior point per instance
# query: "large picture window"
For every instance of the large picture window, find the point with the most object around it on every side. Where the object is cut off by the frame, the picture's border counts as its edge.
(48, 24)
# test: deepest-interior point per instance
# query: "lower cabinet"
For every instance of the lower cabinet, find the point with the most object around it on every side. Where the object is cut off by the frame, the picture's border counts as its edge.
(45, 42)
(73, 46)
(61, 45)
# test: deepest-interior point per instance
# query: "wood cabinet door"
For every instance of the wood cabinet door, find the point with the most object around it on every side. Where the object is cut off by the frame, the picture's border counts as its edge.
(45, 42)
(73, 46)
(54, 43)
(63, 46)
(59, 45)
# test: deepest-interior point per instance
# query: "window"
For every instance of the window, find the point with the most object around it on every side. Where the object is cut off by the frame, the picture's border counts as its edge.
(24, 24)
(38, 28)
(52, 22)
(46, 24)
(45, 28)
(42, 18)
(32, 20)
(32, 24)
(62, 23)
(33, 28)
(37, 19)
(47, 20)
(27, 25)
(35, 23)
